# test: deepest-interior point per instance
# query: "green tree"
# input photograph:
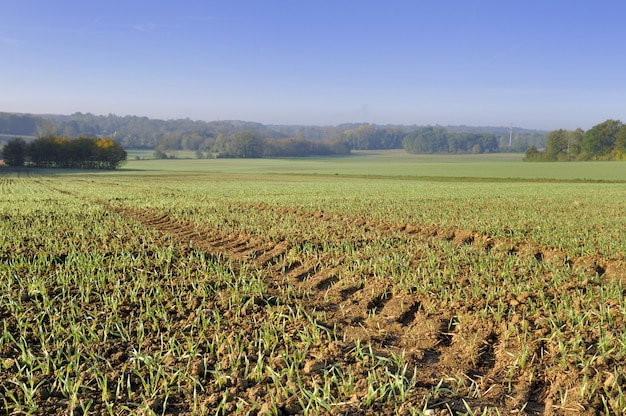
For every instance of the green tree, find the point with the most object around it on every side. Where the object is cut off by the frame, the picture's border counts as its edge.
(557, 145)
(620, 139)
(222, 144)
(574, 142)
(14, 152)
(80, 153)
(429, 139)
(48, 151)
(246, 144)
(169, 142)
(600, 140)
(532, 154)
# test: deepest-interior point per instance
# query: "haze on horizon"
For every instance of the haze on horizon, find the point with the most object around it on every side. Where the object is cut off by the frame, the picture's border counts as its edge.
(534, 64)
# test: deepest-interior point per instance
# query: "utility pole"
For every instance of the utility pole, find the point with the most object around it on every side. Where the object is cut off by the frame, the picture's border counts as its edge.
(511, 135)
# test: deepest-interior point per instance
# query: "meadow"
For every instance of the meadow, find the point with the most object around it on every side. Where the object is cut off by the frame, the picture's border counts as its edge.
(394, 163)
(379, 283)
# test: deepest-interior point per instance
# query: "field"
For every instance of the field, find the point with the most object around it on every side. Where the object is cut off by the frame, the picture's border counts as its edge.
(349, 286)
(394, 163)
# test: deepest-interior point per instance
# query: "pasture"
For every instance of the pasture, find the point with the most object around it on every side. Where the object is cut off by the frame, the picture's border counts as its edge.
(380, 283)
(392, 163)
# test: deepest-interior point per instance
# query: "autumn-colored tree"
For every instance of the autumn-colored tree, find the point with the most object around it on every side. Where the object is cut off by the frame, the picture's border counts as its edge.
(108, 154)
(82, 153)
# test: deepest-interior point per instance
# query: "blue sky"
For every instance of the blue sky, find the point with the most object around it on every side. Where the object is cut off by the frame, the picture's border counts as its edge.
(544, 64)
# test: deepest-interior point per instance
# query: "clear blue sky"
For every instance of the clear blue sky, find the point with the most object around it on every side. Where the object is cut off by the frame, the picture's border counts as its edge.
(543, 64)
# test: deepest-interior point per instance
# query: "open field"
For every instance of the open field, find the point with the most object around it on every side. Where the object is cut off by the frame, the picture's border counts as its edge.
(395, 163)
(242, 287)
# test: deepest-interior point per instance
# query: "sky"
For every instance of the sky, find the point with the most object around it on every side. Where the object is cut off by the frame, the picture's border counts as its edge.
(540, 64)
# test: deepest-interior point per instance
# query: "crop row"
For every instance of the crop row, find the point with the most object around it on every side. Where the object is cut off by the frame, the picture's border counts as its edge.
(127, 296)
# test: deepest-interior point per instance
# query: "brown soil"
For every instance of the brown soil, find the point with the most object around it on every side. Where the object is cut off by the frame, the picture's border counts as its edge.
(435, 344)
(459, 356)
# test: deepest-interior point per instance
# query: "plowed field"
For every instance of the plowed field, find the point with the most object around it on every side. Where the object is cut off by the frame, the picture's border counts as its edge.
(217, 294)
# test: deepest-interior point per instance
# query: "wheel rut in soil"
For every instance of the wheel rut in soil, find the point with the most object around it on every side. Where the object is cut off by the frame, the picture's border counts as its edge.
(433, 343)
(439, 344)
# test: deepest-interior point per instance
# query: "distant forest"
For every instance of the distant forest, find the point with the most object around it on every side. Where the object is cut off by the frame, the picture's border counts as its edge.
(225, 138)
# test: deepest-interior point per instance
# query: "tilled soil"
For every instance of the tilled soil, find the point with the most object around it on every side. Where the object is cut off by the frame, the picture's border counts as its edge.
(435, 344)
(459, 356)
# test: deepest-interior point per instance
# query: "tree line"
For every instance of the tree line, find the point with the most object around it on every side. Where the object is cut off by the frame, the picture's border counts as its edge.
(248, 144)
(61, 152)
(425, 140)
(361, 137)
(23, 125)
(436, 139)
(604, 141)
(133, 132)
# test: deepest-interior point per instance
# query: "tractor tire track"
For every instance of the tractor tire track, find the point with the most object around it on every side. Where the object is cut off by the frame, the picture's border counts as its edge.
(436, 344)
(369, 312)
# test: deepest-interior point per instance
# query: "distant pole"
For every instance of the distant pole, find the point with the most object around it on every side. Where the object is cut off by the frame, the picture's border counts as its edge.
(511, 135)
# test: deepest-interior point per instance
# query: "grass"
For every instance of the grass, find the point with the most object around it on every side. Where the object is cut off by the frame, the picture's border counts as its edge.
(396, 163)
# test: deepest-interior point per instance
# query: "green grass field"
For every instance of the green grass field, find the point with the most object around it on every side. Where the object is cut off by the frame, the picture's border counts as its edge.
(395, 163)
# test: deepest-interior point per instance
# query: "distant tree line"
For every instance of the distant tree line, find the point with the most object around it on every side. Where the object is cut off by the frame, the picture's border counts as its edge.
(61, 152)
(23, 125)
(169, 136)
(248, 144)
(299, 146)
(371, 137)
(365, 137)
(436, 139)
(604, 141)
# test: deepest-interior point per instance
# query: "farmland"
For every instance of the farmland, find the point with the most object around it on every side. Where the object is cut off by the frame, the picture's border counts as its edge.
(356, 286)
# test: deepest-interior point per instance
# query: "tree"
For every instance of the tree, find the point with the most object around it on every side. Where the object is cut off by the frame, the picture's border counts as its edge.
(82, 153)
(371, 137)
(557, 145)
(427, 139)
(108, 154)
(620, 139)
(48, 151)
(600, 140)
(14, 152)
(159, 154)
(532, 154)
(437, 139)
(574, 141)
(222, 144)
(300, 147)
(604, 141)
(246, 144)
(18, 124)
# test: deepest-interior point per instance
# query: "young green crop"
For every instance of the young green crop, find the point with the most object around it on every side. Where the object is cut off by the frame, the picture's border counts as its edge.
(227, 294)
